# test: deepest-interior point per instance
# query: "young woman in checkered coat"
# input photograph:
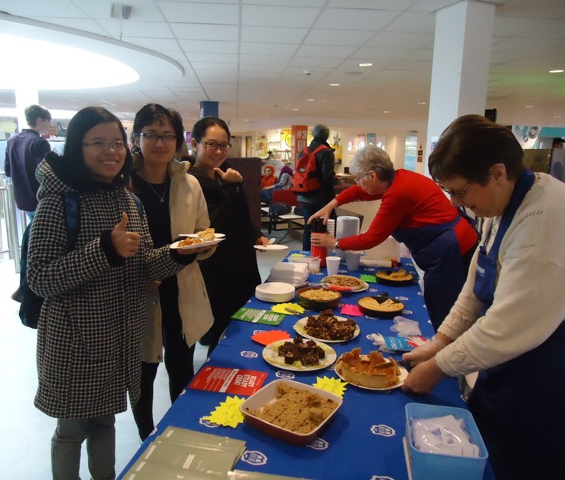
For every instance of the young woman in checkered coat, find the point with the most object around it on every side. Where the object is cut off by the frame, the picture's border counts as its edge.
(93, 316)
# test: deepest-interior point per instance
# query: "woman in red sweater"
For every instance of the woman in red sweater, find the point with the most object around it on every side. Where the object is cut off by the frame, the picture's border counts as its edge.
(415, 211)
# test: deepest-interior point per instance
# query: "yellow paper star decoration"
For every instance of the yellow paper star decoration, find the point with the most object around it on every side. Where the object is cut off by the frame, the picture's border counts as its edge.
(281, 308)
(332, 385)
(227, 414)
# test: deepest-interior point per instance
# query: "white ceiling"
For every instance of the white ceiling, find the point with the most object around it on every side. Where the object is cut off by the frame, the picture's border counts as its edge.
(251, 56)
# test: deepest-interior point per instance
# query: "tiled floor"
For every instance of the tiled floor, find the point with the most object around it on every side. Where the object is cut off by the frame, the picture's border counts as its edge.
(25, 432)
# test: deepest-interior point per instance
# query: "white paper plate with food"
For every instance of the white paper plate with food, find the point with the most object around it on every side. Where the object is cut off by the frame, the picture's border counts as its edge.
(345, 283)
(327, 329)
(293, 362)
(370, 372)
(195, 235)
(181, 245)
(403, 375)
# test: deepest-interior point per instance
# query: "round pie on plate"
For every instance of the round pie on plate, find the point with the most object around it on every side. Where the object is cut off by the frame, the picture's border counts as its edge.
(370, 371)
(380, 306)
(391, 277)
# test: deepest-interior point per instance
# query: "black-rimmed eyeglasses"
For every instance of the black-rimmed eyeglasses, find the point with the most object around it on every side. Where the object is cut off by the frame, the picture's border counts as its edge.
(213, 146)
(154, 138)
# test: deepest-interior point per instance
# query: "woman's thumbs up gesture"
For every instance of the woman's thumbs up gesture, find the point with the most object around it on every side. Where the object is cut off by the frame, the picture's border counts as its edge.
(126, 243)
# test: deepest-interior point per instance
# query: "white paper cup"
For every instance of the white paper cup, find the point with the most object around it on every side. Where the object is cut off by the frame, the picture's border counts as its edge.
(352, 260)
(332, 264)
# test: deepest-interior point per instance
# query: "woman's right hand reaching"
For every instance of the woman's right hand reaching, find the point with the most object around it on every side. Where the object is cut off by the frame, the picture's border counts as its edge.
(126, 243)
(324, 212)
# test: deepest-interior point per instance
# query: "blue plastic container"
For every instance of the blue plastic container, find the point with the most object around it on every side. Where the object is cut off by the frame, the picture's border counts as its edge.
(431, 466)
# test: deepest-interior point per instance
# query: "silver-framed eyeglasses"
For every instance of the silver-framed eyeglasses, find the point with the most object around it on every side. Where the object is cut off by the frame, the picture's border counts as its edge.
(154, 138)
(358, 179)
(213, 146)
(101, 146)
(458, 194)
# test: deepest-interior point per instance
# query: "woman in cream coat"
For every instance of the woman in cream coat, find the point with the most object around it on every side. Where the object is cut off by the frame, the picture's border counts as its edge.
(179, 310)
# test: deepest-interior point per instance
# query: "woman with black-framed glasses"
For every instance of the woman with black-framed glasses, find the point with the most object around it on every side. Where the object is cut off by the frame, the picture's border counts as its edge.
(178, 310)
(416, 212)
(232, 273)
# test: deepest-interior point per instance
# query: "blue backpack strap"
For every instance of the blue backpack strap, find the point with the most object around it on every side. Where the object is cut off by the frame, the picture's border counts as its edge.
(139, 205)
(72, 217)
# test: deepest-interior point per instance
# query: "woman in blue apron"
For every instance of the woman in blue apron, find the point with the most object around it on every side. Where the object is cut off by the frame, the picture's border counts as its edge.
(435, 250)
(507, 323)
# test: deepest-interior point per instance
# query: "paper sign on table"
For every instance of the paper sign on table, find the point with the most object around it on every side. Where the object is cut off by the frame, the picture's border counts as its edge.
(397, 344)
(351, 310)
(268, 337)
(254, 315)
(228, 380)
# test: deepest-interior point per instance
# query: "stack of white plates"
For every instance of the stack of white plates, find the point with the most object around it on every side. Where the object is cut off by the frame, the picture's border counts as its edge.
(275, 292)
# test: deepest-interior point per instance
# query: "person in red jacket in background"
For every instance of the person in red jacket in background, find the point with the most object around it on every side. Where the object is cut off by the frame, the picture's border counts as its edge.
(415, 211)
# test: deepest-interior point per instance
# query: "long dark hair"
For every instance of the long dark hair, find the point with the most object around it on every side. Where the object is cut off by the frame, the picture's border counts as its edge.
(71, 167)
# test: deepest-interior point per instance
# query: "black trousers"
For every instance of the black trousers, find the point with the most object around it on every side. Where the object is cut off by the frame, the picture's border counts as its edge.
(179, 362)
(307, 211)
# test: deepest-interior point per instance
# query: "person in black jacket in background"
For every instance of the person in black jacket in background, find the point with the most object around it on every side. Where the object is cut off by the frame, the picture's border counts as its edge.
(232, 273)
(313, 201)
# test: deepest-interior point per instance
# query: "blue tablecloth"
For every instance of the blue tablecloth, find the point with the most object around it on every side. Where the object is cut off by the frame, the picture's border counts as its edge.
(363, 441)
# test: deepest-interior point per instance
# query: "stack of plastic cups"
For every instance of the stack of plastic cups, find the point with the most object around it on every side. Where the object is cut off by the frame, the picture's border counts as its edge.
(346, 226)
(330, 225)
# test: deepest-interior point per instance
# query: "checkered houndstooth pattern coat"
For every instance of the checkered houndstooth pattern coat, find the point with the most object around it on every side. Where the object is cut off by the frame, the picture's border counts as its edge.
(93, 316)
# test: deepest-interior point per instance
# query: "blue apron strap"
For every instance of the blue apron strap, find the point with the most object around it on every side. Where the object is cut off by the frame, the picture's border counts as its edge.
(487, 263)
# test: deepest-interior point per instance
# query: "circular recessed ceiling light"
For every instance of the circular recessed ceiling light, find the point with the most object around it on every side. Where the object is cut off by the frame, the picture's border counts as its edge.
(77, 69)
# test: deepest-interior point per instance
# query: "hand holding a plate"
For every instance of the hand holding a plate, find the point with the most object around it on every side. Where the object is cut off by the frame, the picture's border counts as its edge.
(262, 241)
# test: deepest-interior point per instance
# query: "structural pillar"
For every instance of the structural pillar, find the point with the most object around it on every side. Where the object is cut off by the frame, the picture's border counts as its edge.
(209, 109)
(462, 49)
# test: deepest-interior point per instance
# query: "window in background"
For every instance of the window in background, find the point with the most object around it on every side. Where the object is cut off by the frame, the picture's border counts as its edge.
(410, 150)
